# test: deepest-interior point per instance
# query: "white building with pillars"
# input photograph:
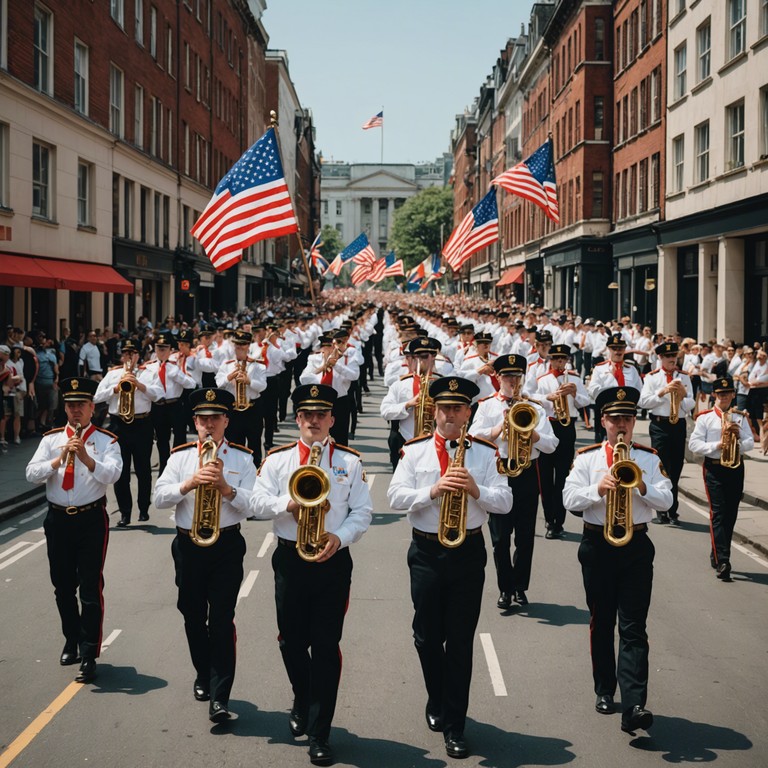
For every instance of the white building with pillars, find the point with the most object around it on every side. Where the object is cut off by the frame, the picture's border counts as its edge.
(363, 197)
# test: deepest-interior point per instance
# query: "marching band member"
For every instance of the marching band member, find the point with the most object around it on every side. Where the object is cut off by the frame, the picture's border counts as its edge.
(618, 579)
(271, 354)
(134, 431)
(555, 387)
(513, 573)
(77, 467)
(311, 597)
(724, 482)
(668, 434)
(478, 366)
(538, 361)
(466, 344)
(207, 362)
(447, 582)
(208, 575)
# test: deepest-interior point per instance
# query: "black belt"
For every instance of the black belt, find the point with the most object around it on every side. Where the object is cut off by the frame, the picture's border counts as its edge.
(715, 462)
(167, 402)
(286, 542)
(73, 510)
(232, 528)
(434, 536)
(135, 416)
(656, 418)
(637, 527)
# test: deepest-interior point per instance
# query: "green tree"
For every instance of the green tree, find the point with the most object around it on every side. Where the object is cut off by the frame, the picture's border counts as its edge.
(419, 224)
(332, 244)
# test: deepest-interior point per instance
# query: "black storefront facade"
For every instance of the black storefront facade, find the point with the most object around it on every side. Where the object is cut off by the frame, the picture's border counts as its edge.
(636, 273)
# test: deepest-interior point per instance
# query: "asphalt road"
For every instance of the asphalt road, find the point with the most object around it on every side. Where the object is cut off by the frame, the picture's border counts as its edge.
(531, 702)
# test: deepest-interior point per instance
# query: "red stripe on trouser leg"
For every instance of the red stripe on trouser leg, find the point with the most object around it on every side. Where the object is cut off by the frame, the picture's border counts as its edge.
(711, 527)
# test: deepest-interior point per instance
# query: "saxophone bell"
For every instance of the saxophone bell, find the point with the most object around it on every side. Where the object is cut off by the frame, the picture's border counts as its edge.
(618, 526)
(309, 486)
(519, 424)
(126, 398)
(205, 528)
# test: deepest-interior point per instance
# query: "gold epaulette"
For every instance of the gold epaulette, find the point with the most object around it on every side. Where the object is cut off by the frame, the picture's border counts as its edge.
(406, 376)
(240, 448)
(417, 440)
(642, 447)
(483, 441)
(701, 413)
(107, 432)
(346, 448)
(54, 431)
(588, 448)
(281, 448)
(488, 397)
(182, 447)
(114, 368)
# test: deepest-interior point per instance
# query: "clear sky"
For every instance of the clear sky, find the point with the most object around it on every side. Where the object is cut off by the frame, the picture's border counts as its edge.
(422, 61)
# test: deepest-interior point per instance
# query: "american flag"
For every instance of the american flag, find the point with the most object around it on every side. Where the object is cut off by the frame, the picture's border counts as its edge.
(389, 266)
(534, 179)
(361, 273)
(250, 203)
(479, 228)
(377, 121)
(359, 250)
(318, 261)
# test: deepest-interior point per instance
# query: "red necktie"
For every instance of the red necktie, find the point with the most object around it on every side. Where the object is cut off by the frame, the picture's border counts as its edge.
(618, 372)
(208, 352)
(670, 376)
(555, 373)
(416, 385)
(303, 453)
(442, 454)
(264, 352)
(162, 374)
(609, 454)
(68, 482)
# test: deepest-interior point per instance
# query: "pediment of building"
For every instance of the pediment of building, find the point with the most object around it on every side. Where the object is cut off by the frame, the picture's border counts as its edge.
(383, 180)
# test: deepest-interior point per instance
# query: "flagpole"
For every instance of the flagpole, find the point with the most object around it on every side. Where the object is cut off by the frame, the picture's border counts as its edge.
(382, 135)
(273, 124)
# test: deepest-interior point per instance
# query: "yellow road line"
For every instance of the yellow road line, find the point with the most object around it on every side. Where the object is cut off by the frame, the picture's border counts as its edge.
(25, 738)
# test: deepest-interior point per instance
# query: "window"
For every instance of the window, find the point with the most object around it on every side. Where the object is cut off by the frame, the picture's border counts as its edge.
(169, 51)
(578, 122)
(763, 17)
(115, 204)
(4, 200)
(186, 149)
(156, 212)
(701, 134)
(139, 22)
(340, 230)
(599, 117)
(633, 113)
(138, 117)
(735, 128)
(166, 220)
(338, 207)
(169, 144)
(3, 34)
(597, 195)
(763, 125)
(143, 206)
(737, 21)
(632, 194)
(325, 207)
(642, 200)
(680, 60)
(153, 32)
(43, 50)
(643, 23)
(643, 114)
(187, 80)
(81, 78)
(84, 171)
(117, 11)
(127, 209)
(655, 180)
(678, 163)
(703, 50)
(41, 180)
(656, 95)
(115, 101)
(155, 127)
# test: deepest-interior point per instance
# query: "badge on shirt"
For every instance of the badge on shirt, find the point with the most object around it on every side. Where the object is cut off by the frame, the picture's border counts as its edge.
(340, 473)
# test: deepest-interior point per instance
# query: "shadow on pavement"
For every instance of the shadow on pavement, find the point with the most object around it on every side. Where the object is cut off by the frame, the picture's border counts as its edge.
(755, 578)
(684, 741)
(112, 679)
(155, 530)
(386, 519)
(553, 614)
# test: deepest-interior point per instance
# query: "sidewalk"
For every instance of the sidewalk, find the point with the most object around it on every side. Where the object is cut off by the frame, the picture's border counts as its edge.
(17, 496)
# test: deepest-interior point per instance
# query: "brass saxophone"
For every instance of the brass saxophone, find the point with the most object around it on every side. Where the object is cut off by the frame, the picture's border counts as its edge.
(674, 405)
(618, 526)
(730, 453)
(424, 413)
(126, 407)
(242, 403)
(562, 410)
(519, 424)
(452, 526)
(205, 521)
(309, 486)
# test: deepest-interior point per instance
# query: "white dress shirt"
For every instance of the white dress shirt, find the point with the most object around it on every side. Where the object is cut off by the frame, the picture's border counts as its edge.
(659, 405)
(708, 433)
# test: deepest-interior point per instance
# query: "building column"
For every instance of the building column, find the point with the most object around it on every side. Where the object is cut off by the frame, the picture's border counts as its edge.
(169, 297)
(708, 290)
(730, 294)
(374, 238)
(667, 287)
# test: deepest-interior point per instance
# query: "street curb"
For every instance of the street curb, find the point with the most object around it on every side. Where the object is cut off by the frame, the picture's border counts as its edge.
(22, 503)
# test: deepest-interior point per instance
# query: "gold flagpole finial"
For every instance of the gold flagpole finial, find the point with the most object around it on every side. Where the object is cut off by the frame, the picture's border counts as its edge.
(272, 118)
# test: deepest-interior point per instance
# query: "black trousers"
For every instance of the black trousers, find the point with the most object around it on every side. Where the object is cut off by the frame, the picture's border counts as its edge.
(182, 416)
(245, 427)
(269, 409)
(447, 590)
(284, 390)
(341, 414)
(162, 420)
(299, 364)
(208, 580)
(77, 548)
(395, 442)
(513, 571)
(618, 583)
(366, 373)
(311, 600)
(135, 441)
(669, 441)
(724, 488)
(553, 470)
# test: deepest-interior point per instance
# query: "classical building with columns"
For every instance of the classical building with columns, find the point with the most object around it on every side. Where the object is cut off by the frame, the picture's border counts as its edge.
(363, 197)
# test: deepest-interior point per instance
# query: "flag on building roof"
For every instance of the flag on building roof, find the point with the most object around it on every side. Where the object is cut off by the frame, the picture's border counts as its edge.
(389, 266)
(534, 179)
(377, 121)
(479, 229)
(359, 250)
(250, 203)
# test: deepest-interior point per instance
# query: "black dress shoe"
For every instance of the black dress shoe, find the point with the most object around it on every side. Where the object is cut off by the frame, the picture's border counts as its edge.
(636, 719)
(520, 597)
(604, 705)
(724, 571)
(87, 671)
(505, 601)
(297, 722)
(319, 752)
(69, 655)
(218, 712)
(550, 534)
(455, 746)
(143, 517)
(123, 522)
(434, 721)
(661, 519)
(201, 691)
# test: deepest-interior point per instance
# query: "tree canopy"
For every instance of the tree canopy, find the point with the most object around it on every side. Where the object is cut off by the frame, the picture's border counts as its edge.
(416, 229)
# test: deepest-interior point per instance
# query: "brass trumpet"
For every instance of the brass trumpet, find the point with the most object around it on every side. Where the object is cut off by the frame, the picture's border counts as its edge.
(730, 453)
(452, 525)
(562, 410)
(126, 398)
(424, 413)
(205, 521)
(242, 403)
(519, 424)
(674, 405)
(618, 526)
(310, 487)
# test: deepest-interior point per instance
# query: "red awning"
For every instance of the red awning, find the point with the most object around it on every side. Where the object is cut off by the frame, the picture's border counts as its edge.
(33, 272)
(512, 275)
